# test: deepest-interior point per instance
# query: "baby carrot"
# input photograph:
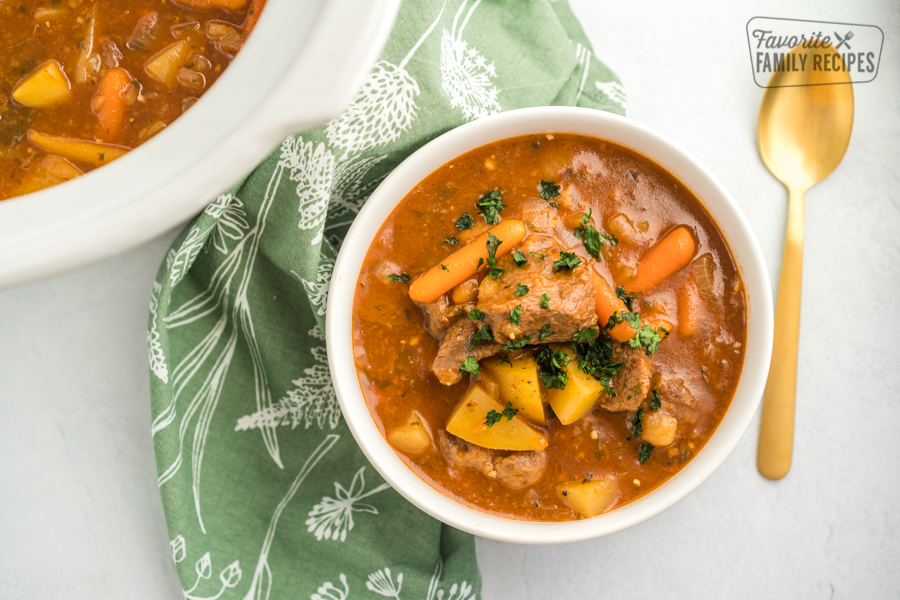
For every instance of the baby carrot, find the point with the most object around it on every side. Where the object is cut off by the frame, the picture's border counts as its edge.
(671, 254)
(689, 305)
(109, 103)
(463, 263)
(608, 303)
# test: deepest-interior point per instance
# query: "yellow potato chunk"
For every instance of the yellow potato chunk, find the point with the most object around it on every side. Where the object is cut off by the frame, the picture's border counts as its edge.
(580, 395)
(91, 153)
(164, 65)
(45, 86)
(412, 438)
(519, 384)
(468, 423)
(44, 172)
(589, 498)
(659, 429)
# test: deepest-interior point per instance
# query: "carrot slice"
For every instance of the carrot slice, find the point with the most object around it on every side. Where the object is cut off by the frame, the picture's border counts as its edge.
(608, 303)
(83, 151)
(689, 310)
(463, 263)
(671, 254)
(110, 103)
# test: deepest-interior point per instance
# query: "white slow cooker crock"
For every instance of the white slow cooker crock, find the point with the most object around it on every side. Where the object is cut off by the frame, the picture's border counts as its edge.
(299, 69)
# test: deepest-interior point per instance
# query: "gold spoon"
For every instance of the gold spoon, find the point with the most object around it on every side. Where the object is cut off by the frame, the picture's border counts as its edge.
(803, 133)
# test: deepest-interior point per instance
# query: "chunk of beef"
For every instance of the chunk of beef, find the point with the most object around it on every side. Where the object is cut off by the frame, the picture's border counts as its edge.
(440, 315)
(455, 349)
(571, 294)
(676, 399)
(632, 382)
(463, 454)
(517, 470)
(520, 469)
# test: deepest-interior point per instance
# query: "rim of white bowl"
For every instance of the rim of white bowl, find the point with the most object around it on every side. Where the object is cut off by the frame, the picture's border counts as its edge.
(717, 201)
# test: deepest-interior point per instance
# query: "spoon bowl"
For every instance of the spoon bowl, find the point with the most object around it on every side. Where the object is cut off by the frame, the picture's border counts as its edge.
(805, 123)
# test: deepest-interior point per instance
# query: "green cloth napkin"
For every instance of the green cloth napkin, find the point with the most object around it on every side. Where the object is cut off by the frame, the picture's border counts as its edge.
(265, 492)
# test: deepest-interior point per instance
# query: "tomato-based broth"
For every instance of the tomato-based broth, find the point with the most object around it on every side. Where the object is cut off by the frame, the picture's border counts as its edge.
(567, 363)
(84, 81)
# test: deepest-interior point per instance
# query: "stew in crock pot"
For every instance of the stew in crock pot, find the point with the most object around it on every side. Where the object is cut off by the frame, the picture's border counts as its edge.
(84, 81)
(548, 327)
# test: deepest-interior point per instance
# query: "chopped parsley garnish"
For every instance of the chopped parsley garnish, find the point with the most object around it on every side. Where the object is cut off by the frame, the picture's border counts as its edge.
(476, 315)
(586, 335)
(637, 424)
(540, 256)
(655, 402)
(644, 452)
(482, 335)
(444, 267)
(451, 240)
(645, 337)
(470, 366)
(402, 278)
(595, 357)
(567, 261)
(492, 244)
(632, 318)
(506, 360)
(495, 417)
(628, 299)
(515, 315)
(589, 235)
(545, 301)
(553, 367)
(613, 240)
(465, 222)
(519, 258)
(490, 206)
(545, 332)
(549, 191)
(521, 290)
(513, 345)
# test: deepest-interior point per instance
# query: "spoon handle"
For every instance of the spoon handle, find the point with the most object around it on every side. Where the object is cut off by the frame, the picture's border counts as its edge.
(776, 431)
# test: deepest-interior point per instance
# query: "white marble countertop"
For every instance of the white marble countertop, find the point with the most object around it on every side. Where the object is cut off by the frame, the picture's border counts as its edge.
(79, 508)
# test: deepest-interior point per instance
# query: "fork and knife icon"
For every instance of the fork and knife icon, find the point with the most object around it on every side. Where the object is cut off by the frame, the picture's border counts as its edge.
(843, 41)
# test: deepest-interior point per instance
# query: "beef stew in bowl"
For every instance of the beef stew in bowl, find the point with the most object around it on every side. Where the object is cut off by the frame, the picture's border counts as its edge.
(446, 455)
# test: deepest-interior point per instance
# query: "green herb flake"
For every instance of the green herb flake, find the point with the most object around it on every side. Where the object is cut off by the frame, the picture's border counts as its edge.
(465, 222)
(545, 301)
(648, 338)
(506, 360)
(492, 244)
(520, 259)
(513, 345)
(476, 315)
(644, 452)
(451, 241)
(521, 290)
(590, 236)
(515, 315)
(637, 424)
(549, 191)
(470, 366)
(493, 416)
(490, 206)
(402, 278)
(585, 336)
(567, 261)
(655, 402)
(595, 357)
(444, 267)
(540, 256)
(553, 367)
(628, 299)
(482, 335)
(545, 332)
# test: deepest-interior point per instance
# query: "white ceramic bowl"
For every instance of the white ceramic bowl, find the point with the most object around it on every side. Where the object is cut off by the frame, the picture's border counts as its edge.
(546, 120)
(300, 68)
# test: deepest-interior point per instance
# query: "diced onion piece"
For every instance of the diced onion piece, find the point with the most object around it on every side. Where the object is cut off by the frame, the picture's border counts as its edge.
(83, 151)
(111, 54)
(537, 214)
(41, 13)
(191, 79)
(181, 30)
(704, 272)
(201, 63)
(150, 130)
(44, 172)
(164, 65)
(620, 226)
(216, 29)
(188, 102)
(144, 32)
(46, 86)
